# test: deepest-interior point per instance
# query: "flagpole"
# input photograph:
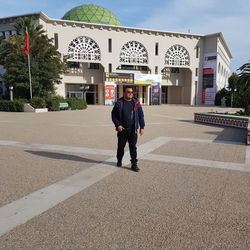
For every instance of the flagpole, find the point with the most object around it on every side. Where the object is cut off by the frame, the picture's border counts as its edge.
(28, 54)
(30, 76)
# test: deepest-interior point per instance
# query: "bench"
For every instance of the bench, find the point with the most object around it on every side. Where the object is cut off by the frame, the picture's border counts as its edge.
(63, 105)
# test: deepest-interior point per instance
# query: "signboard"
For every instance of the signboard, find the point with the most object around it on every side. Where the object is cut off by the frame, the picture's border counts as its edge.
(156, 93)
(209, 78)
(109, 93)
(155, 82)
(147, 79)
(119, 78)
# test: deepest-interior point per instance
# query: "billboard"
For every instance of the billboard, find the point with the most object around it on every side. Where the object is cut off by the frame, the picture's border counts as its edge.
(209, 78)
(155, 82)
(147, 79)
(156, 93)
(109, 93)
(119, 78)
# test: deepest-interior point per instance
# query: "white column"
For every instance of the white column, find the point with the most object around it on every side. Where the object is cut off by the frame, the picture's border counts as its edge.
(147, 94)
(192, 89)
(140, 94)
(120, 91)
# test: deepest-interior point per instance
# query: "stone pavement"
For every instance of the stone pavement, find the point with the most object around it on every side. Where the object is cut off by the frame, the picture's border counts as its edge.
(60, 188)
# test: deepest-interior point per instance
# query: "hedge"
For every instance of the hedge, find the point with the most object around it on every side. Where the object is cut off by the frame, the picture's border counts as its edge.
(38, 103)
(12, 106)
(75, 103)
(52, 103)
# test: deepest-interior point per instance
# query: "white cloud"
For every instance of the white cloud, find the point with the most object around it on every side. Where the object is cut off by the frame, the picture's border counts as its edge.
(205, 17)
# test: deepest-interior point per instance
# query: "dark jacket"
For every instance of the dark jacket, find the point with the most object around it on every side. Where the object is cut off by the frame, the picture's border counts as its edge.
(117, 114)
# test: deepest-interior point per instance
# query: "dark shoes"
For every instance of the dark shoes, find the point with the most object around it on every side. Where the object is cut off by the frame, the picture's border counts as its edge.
(135, 168)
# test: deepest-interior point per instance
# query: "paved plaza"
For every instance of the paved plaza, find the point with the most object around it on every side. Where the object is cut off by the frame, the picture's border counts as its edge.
(60, 187)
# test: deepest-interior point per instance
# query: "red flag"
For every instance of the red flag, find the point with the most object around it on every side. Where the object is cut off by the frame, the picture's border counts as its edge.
(27, 44)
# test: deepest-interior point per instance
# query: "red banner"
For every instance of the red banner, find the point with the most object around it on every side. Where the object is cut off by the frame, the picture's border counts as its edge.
(27, 44)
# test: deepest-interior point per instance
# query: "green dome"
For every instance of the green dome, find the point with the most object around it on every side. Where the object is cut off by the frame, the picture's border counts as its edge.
(92, 14)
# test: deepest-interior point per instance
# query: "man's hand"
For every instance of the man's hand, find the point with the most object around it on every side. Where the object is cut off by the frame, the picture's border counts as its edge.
(141, 131)
(120, 128)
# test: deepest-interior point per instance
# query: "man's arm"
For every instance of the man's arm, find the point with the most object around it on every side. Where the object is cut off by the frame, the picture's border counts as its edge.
(115, 115)
(141, 120)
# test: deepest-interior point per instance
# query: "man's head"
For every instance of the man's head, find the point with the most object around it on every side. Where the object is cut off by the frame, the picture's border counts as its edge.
(128, 93)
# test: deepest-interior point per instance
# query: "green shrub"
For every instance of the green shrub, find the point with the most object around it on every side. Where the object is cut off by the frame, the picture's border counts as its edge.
(38, 103)
(75, 103)
(11, 106)
(60, 98)
(22, 100)
(52, 103)
(220, 94)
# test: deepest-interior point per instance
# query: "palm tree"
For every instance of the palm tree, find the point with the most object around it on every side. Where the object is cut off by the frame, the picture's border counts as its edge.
(243, 85)
(34, 29)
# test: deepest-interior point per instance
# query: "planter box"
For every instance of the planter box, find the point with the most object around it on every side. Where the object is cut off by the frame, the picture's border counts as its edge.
(29, 108)
(225, 120)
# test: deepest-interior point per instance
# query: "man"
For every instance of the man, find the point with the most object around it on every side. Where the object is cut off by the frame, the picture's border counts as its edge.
(128, 117)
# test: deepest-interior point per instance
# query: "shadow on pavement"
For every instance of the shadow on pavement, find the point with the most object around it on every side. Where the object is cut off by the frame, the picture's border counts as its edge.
(227, 134)
(187, 121)
(60, 156)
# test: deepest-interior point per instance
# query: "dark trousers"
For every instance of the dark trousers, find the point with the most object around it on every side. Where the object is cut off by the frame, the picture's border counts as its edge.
(124, 137)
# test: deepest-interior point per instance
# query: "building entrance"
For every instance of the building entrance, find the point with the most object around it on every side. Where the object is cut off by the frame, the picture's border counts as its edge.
(91, 95)
(164, 94)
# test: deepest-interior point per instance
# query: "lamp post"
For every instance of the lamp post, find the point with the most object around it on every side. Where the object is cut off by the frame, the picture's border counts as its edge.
(11, 93)
(84, 89)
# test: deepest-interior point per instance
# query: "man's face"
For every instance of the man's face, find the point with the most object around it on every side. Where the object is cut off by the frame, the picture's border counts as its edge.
(128, 93)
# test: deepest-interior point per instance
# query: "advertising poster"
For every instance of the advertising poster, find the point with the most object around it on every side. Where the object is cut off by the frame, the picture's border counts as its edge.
(147, 79)
(155, 82)
(209, 78)
(109, 93)
(119, 78)
(156, 93)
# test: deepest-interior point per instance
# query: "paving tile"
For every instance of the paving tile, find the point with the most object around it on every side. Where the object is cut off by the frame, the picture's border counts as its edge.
(25, 171)
(205, 151)
(165, 206)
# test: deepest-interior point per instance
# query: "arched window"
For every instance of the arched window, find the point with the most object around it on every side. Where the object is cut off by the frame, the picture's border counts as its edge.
(84, 48)
(177, 55)
(134, 52)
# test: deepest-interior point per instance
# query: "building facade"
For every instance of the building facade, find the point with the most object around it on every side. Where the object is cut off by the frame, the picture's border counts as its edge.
(191, 67)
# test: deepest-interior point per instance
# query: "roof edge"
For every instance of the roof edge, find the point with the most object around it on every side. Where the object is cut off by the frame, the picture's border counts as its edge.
(43, 16)
(221, 37)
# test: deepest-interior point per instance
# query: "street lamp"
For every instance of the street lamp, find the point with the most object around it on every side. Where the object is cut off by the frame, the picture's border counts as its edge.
(84, 88)
(11, 93)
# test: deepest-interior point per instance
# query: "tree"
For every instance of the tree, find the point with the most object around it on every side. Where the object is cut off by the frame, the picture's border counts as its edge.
(232, 86)
(46, 63)
(243, 87)
(232, 82)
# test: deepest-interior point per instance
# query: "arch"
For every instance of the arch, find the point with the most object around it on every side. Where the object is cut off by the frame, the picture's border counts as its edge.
(134, 52)
(84, 48)
(177, 55)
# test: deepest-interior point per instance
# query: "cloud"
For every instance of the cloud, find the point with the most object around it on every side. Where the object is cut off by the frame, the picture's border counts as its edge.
(205, 17)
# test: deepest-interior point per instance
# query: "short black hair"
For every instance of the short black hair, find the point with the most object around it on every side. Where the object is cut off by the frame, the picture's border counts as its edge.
(127, 87)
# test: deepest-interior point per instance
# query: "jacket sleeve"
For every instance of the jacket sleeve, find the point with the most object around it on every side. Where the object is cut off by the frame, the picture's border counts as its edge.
(115, 115)
(141, 117)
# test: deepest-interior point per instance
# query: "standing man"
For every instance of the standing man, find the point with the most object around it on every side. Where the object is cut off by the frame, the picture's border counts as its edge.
(128, 117)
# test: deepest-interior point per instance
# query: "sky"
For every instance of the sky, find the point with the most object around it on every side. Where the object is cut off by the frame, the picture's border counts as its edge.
(230, 17)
